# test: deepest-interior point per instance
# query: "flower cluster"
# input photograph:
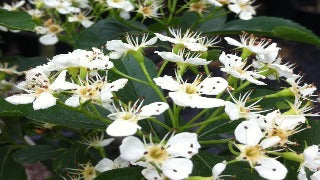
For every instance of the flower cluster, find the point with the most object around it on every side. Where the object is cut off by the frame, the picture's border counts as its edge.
(263, 135)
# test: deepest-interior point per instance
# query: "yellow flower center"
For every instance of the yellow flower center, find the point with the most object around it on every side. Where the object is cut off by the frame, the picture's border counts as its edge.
(253, 153)
(281, 133)
(156, 154)
(127, 116)
(198, 7)
(89, 173)
(190, 89)
(54, 28)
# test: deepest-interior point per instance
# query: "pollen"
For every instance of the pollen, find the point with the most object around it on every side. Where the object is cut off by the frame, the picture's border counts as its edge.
(253, 153)
(157, 154)
(190, 89)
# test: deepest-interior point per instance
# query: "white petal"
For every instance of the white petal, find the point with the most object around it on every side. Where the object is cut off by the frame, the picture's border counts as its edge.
(167, 82)
(151, 174)
(290, 121)
(269, 142)
(73, 101)
(310, 153)
(121, 163)
(151, 41)
(20, 99)
(218, 169)
(212, 86)
(233, 42)
(302, 174)
(104, 165)
(192, 46)
(234, 8)
(86, 23)
(245, 15)
(106, 142)
(61, 84)
(114, 45)
(48, 39)
(153, 109)
(315, 176)
(114, 86)
(44, 101)
(165, 38)
(271, 169)
(122, 128)
(170, 56)
(177, 168)
(183, 144)
(215, 3)
(125, 14)
(232, 110)
(195, 101)
(197, 61)
(132, 149)
(248, 133)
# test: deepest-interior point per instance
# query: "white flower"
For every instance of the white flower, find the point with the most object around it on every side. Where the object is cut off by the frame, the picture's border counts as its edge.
(119, 48)
(235, 66)
(249, 134)
(62, 6)
(171, 158)
(92, 60)
(265, 51)
(214, 2)
(85, 172)
(243, 8)
(39, 89)
(190, 94)
(280, 69)
(96, 141)
(97, 90)
(106, 164)
(304, 91)
(183, 58)
(311, 158)
(14, 6)
(149, 9)
(189, 39)
(124, 5)
(238, 109)
(276, 124)
(81, 18)
(35, 13)
(126, 119)
(50, 31)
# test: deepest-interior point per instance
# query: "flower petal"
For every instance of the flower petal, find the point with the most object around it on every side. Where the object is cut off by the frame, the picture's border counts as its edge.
(270, 168)
(248, 133)
(167, 82)
(48, 39)
(151, 174)
(212, 86)
(170, 56)
(20, 99)
(73, 101)
(232, 110)
(61, 84)
(195, 101)
(269, 142)
(104, 165)
(122, 128)
(152, 109)
(132, 149)
(177, 168)
(218, 169)
(183, 144)
(44, 101)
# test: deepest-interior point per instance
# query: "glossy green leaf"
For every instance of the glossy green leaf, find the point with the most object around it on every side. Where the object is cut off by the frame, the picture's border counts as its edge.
(107, 29)
(132, 173)
(36, 153)
(58, 114)
(271, 27)
(213, 21)
(16, 20)
(9, 168)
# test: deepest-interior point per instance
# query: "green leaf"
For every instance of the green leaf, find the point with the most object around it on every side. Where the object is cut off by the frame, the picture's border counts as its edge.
(204, 162)
(132, 173)
(107, 29)
(213, 22)
(36, 153)
(59, 114)
(272, 27)
(16, 20)
(24, 63)
(10, 169)
(213, 54)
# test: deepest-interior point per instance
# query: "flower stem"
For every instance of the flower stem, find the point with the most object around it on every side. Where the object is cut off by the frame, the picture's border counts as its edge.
(115, 70)
(164, 64)
(216, 141)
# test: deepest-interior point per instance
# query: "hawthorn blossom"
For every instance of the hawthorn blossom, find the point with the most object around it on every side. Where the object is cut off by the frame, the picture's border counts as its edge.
(263, 48)
(242, 7)
(149, 9)
(183, 58)
(311, 160)
(253, 150)
(172, 159)
(126, 119)
(189, 39)
(106, 164)
(190, 94)
(89, 60)
(35, 13)
(304, 91)
(279, 69)
(238, 109)
(96, 141)
(81, 18)
(50, 31)
(13, 6)
(235, 66)
(62, 6)
(40, 90)
(218, 169)
(118, 48)
(97, 90)
(125, 6)
(85, 172)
